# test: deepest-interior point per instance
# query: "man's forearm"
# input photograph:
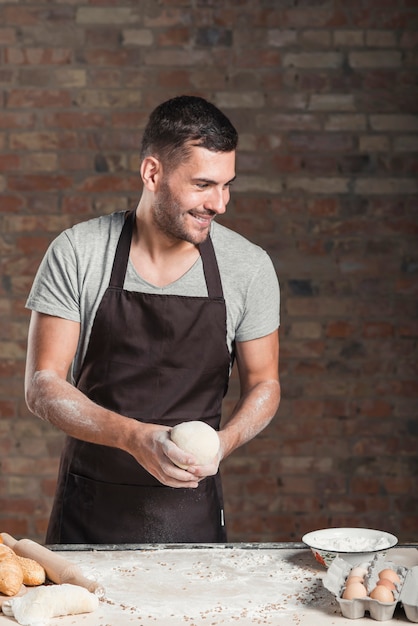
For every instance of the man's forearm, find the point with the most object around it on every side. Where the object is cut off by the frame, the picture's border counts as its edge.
(253, 412)
(58, 402)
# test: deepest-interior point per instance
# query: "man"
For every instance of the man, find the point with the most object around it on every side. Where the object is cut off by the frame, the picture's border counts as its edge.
(150, 308)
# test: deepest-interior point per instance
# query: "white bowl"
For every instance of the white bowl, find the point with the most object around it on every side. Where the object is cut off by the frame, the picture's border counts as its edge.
(355, 545)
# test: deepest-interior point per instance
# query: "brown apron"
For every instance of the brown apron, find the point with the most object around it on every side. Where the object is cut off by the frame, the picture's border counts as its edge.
(160, 359)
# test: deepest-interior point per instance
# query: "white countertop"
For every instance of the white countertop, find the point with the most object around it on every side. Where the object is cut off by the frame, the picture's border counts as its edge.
(245, 584)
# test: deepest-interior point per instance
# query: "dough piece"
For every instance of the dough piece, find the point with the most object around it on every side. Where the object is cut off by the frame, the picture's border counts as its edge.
(45, 602)
(3, 599)
(196, 438)
(11, 575)
(33, 572)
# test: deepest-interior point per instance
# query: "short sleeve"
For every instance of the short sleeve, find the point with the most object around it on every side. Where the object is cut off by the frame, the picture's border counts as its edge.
(55, 288)
(261, 315)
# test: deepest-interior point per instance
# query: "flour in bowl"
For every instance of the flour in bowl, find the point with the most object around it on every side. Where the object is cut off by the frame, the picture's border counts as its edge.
(351, 544)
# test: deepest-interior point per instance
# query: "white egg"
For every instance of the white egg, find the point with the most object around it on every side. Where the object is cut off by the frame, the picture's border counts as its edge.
(358, 571)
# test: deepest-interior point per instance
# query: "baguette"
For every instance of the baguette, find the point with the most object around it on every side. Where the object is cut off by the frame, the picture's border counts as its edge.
(33, 572)
(11, 574)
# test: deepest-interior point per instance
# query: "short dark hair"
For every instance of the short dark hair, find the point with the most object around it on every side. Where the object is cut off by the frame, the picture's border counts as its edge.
(184, 121)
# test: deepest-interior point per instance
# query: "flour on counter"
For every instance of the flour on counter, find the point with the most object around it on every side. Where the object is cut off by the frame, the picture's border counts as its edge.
(203, 585)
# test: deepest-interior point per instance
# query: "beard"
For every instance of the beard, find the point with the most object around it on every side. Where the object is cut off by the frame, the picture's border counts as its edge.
(173, 221)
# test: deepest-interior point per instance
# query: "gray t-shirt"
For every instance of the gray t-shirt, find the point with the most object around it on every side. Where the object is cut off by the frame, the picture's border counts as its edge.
(75, 273)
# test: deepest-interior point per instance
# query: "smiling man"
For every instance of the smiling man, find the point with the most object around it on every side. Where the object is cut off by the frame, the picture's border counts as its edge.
(149, 309)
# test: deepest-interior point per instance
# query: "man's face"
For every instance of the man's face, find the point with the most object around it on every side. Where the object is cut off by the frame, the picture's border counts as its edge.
(193, 194)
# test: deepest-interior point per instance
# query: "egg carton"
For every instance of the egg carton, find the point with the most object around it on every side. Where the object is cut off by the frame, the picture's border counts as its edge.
(406, 593)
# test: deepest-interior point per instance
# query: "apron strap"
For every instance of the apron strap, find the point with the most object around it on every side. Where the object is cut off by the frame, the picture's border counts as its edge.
(121, 259)
(211, 269)
(120, 262)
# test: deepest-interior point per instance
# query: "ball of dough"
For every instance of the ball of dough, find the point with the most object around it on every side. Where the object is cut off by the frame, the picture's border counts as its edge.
(196, 438)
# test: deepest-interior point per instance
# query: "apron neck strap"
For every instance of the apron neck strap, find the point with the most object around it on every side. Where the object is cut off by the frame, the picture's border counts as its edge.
(211, 269)
(123, 248)
(120, 263)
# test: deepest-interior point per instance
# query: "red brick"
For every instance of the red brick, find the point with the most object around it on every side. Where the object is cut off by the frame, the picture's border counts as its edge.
(6, 444)
(31, 467)
(323, 207)
(29, 244)
(340, 329)
(9, 162)
(48, 487)
(40, 527)
(313, 247)
(110, 184)
(286, 163)
(75, 120)
(35, 141)
(376, 408)
(399, 484)
(104, 36)
(378, 329)
(178, 79)
(104, 77)
(407, 528)
(20, 15)
(18, 120)
(263, 18)
(129, 119)
(407, 286)
(366, 486)
(308, 409)
(15, 526)
(306, 368)
(77, 205)
(73, 161)
(7, 36)
(19, 506)
(334, 142)
(109, 58)
(37, 56)
(7, 408)
(405, 388)
(174, 36)
(39, 182)
(38, 98)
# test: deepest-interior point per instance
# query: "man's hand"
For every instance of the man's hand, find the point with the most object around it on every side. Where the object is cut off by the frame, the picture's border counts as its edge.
(154, 450)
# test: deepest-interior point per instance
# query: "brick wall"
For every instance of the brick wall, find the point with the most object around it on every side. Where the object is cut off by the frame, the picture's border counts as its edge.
(323, 94)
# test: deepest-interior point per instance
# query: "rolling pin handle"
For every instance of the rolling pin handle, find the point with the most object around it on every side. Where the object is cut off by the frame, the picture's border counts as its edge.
(8, 540)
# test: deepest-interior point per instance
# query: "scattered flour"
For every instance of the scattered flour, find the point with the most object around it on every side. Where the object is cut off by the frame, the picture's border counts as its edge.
(203, 585)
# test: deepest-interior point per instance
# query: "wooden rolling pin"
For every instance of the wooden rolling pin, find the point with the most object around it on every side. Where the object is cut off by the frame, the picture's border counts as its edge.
(57, 568)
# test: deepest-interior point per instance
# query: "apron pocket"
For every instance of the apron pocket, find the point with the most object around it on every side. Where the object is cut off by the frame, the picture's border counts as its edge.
(105, 513)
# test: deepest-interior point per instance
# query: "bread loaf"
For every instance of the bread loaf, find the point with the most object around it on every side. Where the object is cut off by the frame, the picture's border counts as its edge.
(11, 574)
(17, 570)
(33, 572)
